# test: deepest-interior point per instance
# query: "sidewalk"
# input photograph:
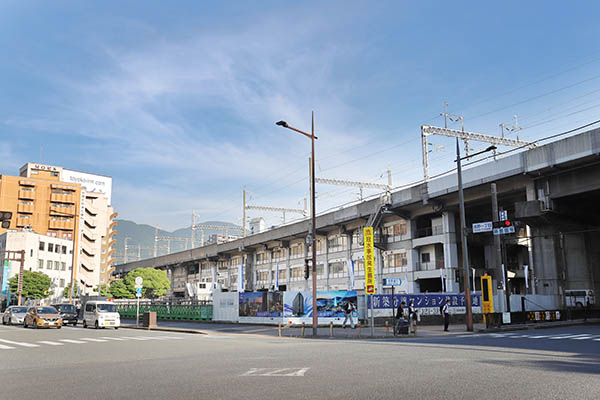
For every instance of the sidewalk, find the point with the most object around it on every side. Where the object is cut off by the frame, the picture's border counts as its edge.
(379, 332)
(216, 328)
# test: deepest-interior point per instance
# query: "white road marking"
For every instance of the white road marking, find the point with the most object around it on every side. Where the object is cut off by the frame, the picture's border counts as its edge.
(23, 344)
(135, 338)
(567, 337)
(582, 337)
(50, 343)
(72, 341)
(166, 337)
(275, 372)
(112, 338)
(539, 336)
(4, 347)
(92, 339)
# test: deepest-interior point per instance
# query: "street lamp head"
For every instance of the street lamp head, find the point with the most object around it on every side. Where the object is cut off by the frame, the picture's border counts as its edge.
(282, 123)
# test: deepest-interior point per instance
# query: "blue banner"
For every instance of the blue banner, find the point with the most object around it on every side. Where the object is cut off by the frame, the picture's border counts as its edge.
(381, 301)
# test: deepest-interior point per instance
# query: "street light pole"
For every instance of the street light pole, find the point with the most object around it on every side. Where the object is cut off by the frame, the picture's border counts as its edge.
(463, 233)
(313, 233)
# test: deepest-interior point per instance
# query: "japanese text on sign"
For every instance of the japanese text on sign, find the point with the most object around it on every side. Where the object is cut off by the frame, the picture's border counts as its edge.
(369, 261)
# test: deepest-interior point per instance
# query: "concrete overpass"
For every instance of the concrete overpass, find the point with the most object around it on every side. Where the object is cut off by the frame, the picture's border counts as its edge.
(553, 190)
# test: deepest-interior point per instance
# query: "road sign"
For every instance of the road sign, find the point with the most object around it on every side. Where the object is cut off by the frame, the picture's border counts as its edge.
(504, 231)
(503, 215)
(369, 261)
(392, 282)
(481, 227)
(139, 280)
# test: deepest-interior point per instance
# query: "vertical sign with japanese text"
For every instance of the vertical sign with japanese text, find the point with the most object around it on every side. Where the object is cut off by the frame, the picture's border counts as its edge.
(369, 261)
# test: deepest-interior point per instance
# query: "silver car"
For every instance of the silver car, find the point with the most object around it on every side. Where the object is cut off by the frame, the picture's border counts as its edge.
(14, 315)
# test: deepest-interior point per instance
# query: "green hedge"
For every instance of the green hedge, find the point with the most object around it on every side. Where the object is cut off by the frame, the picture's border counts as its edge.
(181, 313)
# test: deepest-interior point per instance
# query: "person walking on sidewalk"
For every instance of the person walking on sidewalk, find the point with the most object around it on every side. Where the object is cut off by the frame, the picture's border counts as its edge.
(413, 316)
(445, 313)
(399, 316)
(348, 310)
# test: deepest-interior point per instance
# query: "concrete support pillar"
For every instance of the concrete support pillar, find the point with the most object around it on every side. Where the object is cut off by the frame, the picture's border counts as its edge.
(450, 250)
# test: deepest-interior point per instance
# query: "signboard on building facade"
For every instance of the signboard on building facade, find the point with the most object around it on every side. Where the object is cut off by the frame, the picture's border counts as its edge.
(90, 182)
(369, 261)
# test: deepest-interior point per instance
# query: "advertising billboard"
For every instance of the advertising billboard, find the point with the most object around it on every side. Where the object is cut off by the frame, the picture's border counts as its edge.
(90, 182)
(330, 304)
(260, 304)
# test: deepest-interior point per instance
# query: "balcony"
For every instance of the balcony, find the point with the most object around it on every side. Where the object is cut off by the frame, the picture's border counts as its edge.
(25, 208)
(62, 225)
(26, 194)
(430, 266)
(62, 198)
(430, 231)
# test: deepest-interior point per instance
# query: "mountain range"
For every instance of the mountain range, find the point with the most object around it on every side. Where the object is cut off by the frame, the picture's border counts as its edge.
(140, 239)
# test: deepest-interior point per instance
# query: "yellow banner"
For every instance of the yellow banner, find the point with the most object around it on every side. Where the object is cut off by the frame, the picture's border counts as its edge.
(369, 261)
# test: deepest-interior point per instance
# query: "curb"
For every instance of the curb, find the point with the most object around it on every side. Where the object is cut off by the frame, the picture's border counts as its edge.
(538, 326)
(165, 329)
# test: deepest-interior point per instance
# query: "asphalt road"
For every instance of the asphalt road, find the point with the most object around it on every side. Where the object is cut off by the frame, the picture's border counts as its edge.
(73, 363)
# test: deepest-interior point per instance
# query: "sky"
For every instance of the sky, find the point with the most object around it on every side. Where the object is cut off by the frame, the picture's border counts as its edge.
(177, 101)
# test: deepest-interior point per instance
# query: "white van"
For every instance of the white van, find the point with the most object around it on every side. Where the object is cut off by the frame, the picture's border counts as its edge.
(101, 314)
(579, 298)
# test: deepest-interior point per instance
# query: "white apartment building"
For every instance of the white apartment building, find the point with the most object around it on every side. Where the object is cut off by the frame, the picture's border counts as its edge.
(50, 255)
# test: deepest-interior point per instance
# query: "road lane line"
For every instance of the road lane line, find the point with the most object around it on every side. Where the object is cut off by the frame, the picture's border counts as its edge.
(22, 344)
(72, 341)
(136, 337)
(167, 337)
(50, 343)
(4, 347)
(567, 337)
(539, 336)
(92, 339)
(112, 338)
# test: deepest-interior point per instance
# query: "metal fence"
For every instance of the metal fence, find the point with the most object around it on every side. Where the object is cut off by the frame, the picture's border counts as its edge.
(192, 311)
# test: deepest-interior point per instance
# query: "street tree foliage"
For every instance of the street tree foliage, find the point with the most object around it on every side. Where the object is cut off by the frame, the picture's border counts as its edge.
(36, 285)
(119, 290)
(155, 283)
(68, 289)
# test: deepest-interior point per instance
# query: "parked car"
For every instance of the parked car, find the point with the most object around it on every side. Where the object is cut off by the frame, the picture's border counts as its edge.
(68, 313)
(579, 298)
(42, 317)
(14, 315)
(101, 314)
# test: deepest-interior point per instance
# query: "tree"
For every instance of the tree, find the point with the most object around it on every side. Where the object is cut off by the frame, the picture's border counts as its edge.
(103, 290)
(155, 282)
(118, 290)
(36, 285)
(68, 289)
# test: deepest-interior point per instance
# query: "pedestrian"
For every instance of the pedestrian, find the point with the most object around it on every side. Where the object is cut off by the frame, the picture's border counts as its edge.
(445, 312)
(412, 317)
(399, 316)
(348, 310)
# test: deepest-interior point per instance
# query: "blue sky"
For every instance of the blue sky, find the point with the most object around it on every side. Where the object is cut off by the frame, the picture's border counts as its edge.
(177, 100)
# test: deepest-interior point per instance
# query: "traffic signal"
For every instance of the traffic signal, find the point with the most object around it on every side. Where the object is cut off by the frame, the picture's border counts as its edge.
(5, 217)
(505, 224)
(306, 269)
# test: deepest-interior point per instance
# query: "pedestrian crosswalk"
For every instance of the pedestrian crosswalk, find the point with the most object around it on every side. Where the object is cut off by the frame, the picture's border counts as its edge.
(6, 344)
(517, 335)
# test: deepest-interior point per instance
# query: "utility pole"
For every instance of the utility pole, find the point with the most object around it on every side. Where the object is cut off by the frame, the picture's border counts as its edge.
(243, 214)
(463, 239)
(497, 246)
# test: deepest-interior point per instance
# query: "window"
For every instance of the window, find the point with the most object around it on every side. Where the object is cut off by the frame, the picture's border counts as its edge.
(297, 250)
(359, 266)
(31, 253)
(40, 264)
(62, 283)
(64, 249)
(425, 257)
(282, 274)
(49, 264)
(261, 258)
(400, 229)
(337, 243)
(63, 266)
(50, 247)
(337, 268)
(42, 246)
(57, 248)
(396, 260)
(320, 269)
(263, 276)
(56, 265)
(297, 272)
(89, 307)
